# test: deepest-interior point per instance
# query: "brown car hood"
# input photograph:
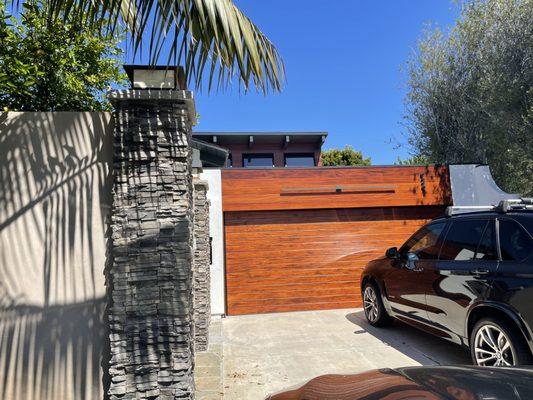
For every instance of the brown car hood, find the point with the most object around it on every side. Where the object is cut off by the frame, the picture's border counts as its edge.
(384, 384)
(419, 383)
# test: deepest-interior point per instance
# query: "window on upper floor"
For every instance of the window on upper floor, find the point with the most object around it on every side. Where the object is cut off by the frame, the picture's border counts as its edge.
(258, 160)
(300, 160)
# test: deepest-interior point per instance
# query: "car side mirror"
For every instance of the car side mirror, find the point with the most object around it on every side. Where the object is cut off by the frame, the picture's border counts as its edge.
(392, 253)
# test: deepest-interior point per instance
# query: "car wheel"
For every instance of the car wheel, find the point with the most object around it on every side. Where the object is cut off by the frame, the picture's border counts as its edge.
(494, 343)
(375, 312)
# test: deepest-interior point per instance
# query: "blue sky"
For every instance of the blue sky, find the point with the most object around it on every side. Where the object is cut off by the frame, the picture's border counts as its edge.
(344, 61)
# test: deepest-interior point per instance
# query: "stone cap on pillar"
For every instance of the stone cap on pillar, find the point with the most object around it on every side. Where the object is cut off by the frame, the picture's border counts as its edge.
(185, 96)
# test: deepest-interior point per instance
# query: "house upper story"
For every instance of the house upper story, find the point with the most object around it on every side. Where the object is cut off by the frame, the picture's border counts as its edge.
(267, 149)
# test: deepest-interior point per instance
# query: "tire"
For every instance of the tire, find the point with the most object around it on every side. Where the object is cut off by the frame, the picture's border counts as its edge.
(375, 312)
(494, 342)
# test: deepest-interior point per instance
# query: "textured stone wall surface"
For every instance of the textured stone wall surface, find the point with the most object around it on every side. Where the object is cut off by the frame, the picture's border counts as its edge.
(201, 265)
(150, 279)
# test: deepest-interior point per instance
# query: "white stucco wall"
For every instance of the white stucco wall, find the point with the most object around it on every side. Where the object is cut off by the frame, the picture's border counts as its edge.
(216, 231)
(55, 200)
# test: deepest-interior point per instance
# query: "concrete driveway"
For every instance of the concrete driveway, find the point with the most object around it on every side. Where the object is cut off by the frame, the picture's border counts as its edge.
(266, 353)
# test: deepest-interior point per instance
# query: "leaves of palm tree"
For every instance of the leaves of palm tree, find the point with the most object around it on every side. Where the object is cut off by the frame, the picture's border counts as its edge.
(205, 36)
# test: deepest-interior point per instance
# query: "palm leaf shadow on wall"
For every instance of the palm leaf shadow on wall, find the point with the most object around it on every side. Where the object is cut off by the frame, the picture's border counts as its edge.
(54, 201)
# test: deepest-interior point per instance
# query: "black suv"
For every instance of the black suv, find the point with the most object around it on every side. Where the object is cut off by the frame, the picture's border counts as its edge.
(466, 277)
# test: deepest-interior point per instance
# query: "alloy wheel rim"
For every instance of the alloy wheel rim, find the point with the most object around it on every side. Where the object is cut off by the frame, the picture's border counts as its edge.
(371, 304)
(492, 347)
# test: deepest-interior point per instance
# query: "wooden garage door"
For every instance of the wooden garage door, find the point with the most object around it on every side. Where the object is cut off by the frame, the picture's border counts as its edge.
(309, 259)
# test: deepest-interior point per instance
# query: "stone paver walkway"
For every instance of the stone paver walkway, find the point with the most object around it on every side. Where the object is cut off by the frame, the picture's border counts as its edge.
(208, 373)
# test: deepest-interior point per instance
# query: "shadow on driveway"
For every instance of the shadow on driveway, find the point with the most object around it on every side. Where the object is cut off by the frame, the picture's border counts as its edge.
(415, 344)
(265, 353)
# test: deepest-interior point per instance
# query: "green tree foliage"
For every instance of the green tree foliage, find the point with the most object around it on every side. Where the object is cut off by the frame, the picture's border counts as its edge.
(343, 157)
(471, 92)
(54, 66)
(417, 159)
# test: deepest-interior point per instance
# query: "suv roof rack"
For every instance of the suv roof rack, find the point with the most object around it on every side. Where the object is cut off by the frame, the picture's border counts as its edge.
(504, 206)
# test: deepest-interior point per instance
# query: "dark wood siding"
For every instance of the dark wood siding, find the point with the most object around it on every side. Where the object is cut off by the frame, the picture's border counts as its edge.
(237, 151)
(306, 251)
(310, 188)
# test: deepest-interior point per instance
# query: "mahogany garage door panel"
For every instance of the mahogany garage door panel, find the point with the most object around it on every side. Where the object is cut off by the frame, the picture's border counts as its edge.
(378, 215)
(279, 292)
(286, 307)
(321, 229)
(311, 259)
(290, 275)
(306, 280)
(330, 243)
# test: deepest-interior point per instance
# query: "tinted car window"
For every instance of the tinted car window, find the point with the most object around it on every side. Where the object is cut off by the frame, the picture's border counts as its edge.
(462, 240)
(526, 221)
(425, 243)
(515, 243)
(486, 249)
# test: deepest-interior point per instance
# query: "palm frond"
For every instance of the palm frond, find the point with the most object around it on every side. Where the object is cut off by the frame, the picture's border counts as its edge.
(210, 37)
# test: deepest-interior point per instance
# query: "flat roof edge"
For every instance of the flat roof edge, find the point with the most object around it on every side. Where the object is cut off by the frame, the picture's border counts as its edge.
(261, 133)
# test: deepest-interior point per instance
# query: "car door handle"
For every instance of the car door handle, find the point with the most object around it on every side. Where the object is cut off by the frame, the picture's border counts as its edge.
(480, 272)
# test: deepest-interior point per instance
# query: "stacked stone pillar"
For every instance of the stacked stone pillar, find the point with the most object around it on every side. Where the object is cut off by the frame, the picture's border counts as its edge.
(150, 279)
(201, 276)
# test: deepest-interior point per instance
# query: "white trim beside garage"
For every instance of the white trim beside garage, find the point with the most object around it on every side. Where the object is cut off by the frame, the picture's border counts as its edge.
(216, 229)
